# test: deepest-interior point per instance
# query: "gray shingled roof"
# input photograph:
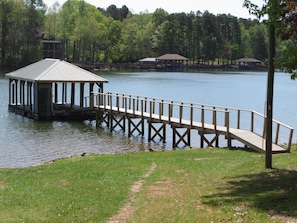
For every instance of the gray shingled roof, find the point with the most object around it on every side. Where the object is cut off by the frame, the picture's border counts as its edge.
(54, 70)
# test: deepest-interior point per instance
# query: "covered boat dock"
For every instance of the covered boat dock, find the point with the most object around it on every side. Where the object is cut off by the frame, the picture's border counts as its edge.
(172, 62)
(53, 89)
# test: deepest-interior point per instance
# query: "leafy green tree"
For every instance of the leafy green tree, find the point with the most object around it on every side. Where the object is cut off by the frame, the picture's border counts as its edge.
(20, 24)
(51, 21)
(281, 14)
(287, 53)
(259, 41)
(6, 9)
(210, 37)
(112, 40)
(34, 19)
(82, 41)
(197, 35)
(246, 47)
(116, 13)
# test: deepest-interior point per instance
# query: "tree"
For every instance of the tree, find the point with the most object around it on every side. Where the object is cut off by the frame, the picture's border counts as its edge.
(51, 21)
(117, 13)
(287, 57)
(20, 24)
(6, 8)
(278, 11)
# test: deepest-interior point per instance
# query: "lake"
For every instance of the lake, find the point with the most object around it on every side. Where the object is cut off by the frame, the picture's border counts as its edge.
(24, 142)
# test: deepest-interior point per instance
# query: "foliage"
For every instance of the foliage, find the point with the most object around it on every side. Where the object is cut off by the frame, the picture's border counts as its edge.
(94, 35)
(282, 14)
(195, 185)
(20, 23)
(202, 37)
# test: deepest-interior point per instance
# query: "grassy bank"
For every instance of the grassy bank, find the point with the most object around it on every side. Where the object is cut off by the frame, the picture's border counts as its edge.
(198, 185)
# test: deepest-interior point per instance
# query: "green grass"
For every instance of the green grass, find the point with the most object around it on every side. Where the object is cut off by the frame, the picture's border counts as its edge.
(197, 185)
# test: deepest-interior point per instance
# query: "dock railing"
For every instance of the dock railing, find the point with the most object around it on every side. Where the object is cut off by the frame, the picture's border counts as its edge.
(215, 117)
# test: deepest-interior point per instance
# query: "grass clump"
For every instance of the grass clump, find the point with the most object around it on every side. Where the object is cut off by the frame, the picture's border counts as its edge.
(81, 189)
(197, 185)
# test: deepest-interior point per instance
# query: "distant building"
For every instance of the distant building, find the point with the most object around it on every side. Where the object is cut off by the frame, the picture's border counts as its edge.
(248, 63)
(171, 61)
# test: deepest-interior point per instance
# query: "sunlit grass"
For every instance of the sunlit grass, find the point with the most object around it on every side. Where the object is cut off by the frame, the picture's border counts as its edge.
(194, 185)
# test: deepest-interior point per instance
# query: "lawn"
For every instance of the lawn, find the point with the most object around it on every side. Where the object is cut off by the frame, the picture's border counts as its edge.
(191, 185)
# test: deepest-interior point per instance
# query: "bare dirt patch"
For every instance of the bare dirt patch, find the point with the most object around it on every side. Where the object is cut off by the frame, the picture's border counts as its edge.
(64, 182)
(2, 185)
(128, 209)
(200, 159)
(162, 188)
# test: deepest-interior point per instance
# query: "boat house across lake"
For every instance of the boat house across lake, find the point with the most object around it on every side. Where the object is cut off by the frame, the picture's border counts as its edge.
(172, 61)
(53, 89)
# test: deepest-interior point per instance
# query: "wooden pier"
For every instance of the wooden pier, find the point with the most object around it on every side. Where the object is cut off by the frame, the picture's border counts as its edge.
(137, 115)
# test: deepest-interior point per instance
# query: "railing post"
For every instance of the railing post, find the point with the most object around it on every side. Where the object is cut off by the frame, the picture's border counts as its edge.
(118, 102)
(202, 117)
(133, 105)
(137, 103)
(110, 100)
(123, 101)
(142, 108)
(227, 125)
(170, 108)
(191, 115)
(98, 99)
(277, 134)
(252, 121)
(290, 140)
(86, 101)
(214, 117)
(238, 119)
(104, 101)
(145, 104)
(129, 101)
(181, 112)
(151, 109)
(264, 127)
(126, 105)
(160, 110)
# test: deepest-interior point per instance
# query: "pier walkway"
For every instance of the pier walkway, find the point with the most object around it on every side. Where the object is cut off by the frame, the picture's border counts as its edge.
(248, 127)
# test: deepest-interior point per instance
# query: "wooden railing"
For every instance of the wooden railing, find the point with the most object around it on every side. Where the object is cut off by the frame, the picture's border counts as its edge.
(217, 116)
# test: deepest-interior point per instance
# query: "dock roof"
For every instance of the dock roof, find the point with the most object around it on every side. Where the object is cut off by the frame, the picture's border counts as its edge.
(171, 57)
(55, 70)
(248, 60)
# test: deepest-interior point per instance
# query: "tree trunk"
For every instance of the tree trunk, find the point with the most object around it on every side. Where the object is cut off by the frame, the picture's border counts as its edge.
(269, 108)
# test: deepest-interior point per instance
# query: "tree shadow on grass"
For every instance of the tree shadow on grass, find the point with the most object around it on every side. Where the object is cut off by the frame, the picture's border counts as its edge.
(273, 192)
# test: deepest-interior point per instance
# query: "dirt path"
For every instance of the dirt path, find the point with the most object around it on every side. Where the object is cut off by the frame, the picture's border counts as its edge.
(128, 209)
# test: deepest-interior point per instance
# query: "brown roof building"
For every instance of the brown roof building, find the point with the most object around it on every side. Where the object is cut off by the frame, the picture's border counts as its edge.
(172, 61)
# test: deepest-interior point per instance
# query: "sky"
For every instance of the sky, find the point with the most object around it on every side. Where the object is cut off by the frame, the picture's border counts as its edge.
(233, 7)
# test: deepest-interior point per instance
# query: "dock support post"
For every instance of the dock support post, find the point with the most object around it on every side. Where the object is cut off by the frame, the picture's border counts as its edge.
(117, 121)
(181, 137)
(215, 140)
(159, 131)
(132, 126)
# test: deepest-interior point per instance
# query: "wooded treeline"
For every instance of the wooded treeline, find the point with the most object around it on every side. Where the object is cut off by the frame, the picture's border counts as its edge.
(113, 35)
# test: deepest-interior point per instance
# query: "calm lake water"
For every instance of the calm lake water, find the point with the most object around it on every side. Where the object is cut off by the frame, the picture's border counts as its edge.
(24, 142)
